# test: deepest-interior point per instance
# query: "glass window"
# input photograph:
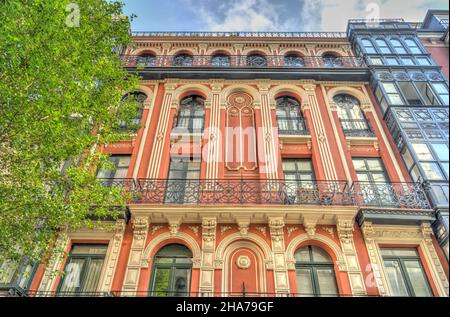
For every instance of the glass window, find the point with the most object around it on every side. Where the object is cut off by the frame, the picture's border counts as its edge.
(392, 61)
(352, 118)
(432, 171)
(220, 60)
(422, 151)
(300, 181)
(183, 60)
(172, 268)
(315, 273)
(183, 181)
(293, 60)
(82, 271)
(405, 273)
(393, 95)
(410, 93)
(376, 61)
(118, 172)
(398, 47)
(139, 98)
(427, 93)
(408, 61)
(423, 61)
(332, 61)
(146, 60)
(413, 47)
(289, 116)
(368, 46)
(256, 60)
(441, 151)
(442, 91)
(383, 46)
(191, 116)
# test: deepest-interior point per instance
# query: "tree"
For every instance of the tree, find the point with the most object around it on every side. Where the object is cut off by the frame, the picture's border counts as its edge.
(61, 97)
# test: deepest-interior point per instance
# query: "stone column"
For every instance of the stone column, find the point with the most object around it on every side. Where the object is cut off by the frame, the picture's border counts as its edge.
(267, 137)
(161, 131)
(140, 232)
(213, 153)
(345, 231)
(280, 267)
(316, 118)
(209, 225)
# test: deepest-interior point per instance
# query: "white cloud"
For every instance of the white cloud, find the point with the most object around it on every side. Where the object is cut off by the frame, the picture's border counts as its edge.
(244, 15)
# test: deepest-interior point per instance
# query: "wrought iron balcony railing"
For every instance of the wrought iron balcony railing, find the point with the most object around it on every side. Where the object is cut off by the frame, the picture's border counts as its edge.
(275, 192)
(174, 294)
(289, 126)
(390, 195)
(357, 128)
(272, 61)
(243, 34)
(243, 192)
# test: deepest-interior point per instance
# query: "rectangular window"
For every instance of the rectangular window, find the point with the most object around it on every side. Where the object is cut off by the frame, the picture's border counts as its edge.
(410, 93)
(376, 61)
(392, 61)
(442, 91)
(83, 270)
(300, 181)
(427, 94)
(408, 61)
(405, 273)
(184, 180)
(119, 171)
(423, 61)
(393, 95)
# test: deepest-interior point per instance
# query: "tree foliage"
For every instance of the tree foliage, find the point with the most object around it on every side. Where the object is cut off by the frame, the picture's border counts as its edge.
(61, 97)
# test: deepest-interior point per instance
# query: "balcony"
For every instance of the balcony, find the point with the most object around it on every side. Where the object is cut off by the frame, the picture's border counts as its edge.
(319, 35)
(357, 128)
(390, 195)
(242, 61)
(276, 192)
(344, 68)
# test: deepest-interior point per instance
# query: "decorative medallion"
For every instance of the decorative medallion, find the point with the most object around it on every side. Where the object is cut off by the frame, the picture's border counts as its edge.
(243, 262)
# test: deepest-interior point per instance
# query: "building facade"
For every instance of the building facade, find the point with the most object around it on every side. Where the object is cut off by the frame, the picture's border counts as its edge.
(270, 164)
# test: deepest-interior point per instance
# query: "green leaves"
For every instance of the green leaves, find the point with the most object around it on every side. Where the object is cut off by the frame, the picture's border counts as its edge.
(60, 88)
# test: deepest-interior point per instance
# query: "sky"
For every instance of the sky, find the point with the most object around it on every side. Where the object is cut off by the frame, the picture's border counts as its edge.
(269, 15)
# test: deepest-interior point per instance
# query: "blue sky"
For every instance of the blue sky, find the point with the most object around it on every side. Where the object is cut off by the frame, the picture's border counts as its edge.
(268, 15)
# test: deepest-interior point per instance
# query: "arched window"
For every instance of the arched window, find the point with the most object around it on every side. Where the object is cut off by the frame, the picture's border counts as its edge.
(293, 60)
(171, 273)
(383, 46)
(315, 273)
(146, 60)
(191, 116)
(398, 46)
(289, 116)
(256, 60)
(220, 60)
(331, 61)
(352, 119)
(140, 98)
(413, 47)
(183, 60)
(368, 46)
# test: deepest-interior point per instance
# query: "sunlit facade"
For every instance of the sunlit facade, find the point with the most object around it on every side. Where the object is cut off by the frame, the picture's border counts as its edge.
(270, 164)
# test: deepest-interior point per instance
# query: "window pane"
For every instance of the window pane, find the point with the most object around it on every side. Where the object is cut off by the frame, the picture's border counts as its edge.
(432, 171)
(72, 275)
(396, 279)
(304, 282)
(327, 282)
(418, 279)
(182, 281)
(441, 151)
(7, 270)
(162, 282)
(92, 276)
(303, 255)
(87, 249)
(423, 152)
(400, 252)
(360, 165)
(390, 88)
(424, 61)
(320, 256)
(375, 165)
